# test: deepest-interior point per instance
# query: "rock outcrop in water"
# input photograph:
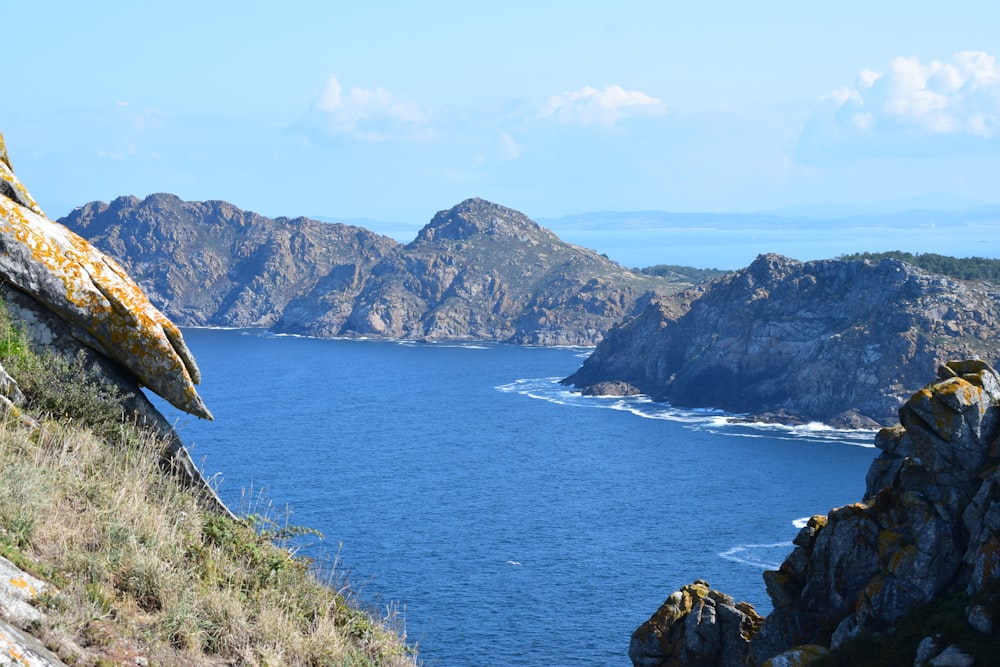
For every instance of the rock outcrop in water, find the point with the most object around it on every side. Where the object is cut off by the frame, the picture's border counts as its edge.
(478, 271)
(840, 342)
(927, 527)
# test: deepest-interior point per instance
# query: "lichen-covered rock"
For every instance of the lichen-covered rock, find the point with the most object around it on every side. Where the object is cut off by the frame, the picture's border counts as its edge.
(929, 524)
(91, 291)
(927, 527)
(695, 626)
(835, 341)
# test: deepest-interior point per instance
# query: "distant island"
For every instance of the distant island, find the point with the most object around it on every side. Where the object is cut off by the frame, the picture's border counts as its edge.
(478, 271)
(839, 341)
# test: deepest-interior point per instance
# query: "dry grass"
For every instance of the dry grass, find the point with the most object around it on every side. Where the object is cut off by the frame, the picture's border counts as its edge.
(141, 569)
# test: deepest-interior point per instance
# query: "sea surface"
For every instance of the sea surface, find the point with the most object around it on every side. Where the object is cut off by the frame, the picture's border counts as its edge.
(505, 519)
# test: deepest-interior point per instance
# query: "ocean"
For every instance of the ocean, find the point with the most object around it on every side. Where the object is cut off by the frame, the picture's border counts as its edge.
(505, 519)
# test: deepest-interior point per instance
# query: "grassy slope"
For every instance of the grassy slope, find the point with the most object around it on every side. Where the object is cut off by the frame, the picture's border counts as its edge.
(141, 569)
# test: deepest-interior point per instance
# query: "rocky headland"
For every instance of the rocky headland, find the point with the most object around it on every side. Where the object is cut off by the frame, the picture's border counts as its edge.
(909, 575)
(833, 341)
(478, 271)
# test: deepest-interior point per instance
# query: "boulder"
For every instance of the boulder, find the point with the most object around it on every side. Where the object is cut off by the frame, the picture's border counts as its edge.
(695, 626)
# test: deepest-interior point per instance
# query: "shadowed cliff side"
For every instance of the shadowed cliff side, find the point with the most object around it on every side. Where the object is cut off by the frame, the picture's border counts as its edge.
(926, 534)
(840, 342)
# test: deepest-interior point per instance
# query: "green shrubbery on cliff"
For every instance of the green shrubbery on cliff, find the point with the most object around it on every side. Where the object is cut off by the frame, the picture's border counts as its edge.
(962, 268)
(140, 568)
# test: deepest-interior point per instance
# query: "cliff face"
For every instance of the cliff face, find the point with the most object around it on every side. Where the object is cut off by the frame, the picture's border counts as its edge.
(842, 342)
(478, 271)
(928, 526)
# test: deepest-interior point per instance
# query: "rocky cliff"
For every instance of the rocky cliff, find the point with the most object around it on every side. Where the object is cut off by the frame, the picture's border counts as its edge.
(927, 530)
(211, 263)
(477, 271)
(842, 342)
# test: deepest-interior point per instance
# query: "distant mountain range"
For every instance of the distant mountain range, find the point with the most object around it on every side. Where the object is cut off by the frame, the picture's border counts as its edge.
(478, 271)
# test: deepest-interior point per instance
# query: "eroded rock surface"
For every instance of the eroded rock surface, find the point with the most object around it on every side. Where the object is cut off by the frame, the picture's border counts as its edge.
(88, 289)
(840, 342)
(928, 526)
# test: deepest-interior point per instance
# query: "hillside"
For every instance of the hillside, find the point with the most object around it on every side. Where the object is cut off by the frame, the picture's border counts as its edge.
(211, 263)
(478, 271)
(836, 341)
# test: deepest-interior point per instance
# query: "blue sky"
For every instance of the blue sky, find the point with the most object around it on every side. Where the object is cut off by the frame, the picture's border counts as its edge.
(395, 110)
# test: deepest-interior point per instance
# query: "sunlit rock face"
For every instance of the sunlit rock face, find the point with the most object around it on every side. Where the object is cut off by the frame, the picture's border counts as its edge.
(91, 292)
(928, 527)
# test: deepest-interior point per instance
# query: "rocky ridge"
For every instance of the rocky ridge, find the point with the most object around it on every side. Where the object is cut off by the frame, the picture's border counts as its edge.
(478, 271)
(927, 527)
(840, 342)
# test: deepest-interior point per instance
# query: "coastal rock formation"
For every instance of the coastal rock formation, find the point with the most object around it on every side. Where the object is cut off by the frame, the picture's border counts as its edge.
(477, 271)
(927, 527)
(211, 263)
(482, 271)
(696, 626)
(108, 312)
(841, 342)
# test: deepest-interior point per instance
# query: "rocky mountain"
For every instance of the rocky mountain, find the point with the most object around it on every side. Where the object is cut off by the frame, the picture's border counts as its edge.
(841, 342)
(211, 263)
(478, 271)
(910, 575)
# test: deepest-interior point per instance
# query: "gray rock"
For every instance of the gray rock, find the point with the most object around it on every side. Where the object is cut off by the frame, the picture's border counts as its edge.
(952, 657)
(19, 649)
(980, 619)
(695, 626)
(840, 342)
(18, 590)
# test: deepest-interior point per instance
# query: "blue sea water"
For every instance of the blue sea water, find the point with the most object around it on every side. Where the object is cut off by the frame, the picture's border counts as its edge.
(509, 520)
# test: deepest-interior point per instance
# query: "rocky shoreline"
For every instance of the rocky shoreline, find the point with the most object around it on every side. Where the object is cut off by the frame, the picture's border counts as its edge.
(927, 528)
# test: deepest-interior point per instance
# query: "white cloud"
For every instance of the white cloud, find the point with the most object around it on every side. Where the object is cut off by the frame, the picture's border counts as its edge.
(590, 106)
(912, 107)
(372, 114)
(509, 148)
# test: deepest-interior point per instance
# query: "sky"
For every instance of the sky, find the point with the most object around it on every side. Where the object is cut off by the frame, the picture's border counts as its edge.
(396, 110)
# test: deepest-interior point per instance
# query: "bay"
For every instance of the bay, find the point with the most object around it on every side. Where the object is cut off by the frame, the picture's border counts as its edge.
(507, 519)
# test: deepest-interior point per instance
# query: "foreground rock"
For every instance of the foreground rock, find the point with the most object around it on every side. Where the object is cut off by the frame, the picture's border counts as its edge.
(928, 526)
(840, 342)
(478, 271)
(90, 291)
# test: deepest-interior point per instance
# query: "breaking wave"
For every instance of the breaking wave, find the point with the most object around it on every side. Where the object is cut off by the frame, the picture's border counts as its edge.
(706, 419)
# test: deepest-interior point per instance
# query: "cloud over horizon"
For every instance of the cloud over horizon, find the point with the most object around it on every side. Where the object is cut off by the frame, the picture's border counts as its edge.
(368, 114)
(589, 106)
(912, 108)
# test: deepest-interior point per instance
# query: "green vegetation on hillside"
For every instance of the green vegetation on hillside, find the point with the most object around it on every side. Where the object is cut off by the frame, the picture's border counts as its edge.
(677, 272)
(963, 268)
(139, 567)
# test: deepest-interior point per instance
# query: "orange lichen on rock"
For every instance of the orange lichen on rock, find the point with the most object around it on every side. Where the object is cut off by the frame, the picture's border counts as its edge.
(90, 290)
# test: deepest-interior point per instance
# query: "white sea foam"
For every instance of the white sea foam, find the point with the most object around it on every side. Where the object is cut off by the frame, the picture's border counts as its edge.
(703, 419)
(764, 556)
